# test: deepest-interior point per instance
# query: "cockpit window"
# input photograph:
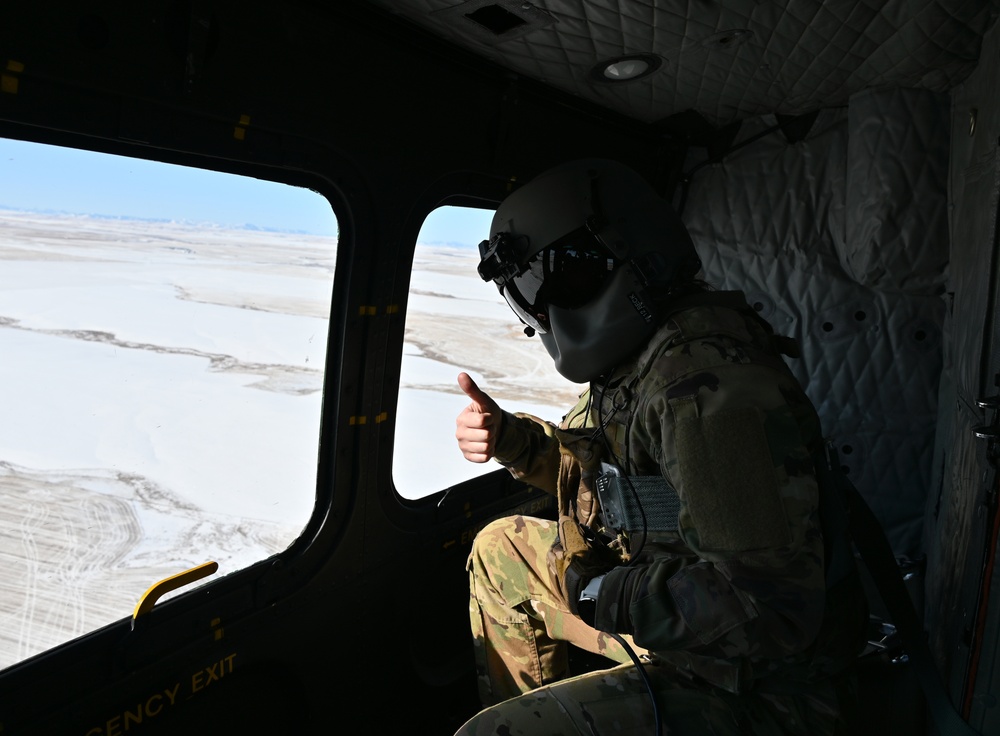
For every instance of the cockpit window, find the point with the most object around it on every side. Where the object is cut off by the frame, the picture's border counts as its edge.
(457, 322)
(163, 332)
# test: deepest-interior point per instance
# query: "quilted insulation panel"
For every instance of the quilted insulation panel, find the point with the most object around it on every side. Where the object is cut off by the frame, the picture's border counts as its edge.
(728, 60)
(841, 241)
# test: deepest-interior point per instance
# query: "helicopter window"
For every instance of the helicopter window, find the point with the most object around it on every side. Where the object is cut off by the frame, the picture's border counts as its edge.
(163, 332)
(457, 322)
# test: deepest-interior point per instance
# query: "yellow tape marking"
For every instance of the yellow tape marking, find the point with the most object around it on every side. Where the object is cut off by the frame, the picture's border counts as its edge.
(240, 131)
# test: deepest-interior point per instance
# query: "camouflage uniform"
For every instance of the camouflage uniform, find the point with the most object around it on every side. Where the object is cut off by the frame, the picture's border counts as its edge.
(731, 609)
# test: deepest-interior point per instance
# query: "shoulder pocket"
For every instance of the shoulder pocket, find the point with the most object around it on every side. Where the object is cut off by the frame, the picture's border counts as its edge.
(728, 481)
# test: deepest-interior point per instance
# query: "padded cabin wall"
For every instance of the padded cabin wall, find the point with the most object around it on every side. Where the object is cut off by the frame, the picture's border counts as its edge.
(840, 241)
(962, 616)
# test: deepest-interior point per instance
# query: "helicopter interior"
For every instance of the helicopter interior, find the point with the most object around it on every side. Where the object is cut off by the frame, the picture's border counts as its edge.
(838, 162)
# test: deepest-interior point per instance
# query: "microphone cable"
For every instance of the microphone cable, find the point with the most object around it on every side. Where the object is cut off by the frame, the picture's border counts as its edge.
(657, 720)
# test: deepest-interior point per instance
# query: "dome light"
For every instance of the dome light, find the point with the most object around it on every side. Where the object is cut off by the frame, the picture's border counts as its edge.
(625, 68)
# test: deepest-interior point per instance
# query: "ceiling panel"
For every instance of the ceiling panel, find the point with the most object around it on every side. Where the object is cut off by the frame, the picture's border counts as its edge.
(726, 60)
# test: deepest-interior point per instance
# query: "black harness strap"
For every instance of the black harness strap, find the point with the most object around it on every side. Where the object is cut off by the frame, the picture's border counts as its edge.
(637, 503)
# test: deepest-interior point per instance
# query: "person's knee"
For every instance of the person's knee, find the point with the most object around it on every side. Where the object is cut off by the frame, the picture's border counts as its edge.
(497, 533)
(492, 543)
(509, 557)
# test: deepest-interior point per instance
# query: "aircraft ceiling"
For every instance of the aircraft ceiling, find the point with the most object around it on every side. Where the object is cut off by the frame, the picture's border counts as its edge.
(728, 60)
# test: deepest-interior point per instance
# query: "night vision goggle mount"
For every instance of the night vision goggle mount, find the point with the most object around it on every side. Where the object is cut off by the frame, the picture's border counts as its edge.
(498, 259)
(499, 254)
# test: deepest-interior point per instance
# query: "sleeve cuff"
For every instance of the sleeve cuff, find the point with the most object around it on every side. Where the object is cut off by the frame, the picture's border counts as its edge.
(613, 603)
(514, 442)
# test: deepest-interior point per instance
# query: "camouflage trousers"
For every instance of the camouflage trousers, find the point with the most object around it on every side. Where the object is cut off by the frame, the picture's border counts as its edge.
(520, 623)
(521, 628)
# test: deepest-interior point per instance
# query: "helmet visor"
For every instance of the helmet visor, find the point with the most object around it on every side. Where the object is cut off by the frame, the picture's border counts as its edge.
(566, 275)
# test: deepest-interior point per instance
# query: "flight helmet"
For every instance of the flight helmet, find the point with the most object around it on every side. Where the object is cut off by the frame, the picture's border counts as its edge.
(584, 254)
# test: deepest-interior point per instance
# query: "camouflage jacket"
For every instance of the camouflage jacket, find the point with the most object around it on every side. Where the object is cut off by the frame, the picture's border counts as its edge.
(737, 592)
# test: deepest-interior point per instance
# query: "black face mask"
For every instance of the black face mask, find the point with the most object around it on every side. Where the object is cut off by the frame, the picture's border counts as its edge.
(592, 339)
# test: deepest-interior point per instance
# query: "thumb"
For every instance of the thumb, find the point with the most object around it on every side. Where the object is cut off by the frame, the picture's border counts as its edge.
(480, 398)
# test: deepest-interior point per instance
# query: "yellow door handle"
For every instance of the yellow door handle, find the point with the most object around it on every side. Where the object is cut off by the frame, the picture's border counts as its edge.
(158, 590)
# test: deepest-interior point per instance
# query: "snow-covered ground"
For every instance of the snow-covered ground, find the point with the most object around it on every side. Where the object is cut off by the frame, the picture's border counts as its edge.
(160, 386)
(457, 322)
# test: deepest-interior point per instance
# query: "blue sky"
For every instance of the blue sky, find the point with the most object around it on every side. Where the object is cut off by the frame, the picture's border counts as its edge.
(463, 226)
(40, 177)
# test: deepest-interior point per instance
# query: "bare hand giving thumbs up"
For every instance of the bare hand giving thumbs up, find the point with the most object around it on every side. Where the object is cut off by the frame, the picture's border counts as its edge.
(478, 425)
